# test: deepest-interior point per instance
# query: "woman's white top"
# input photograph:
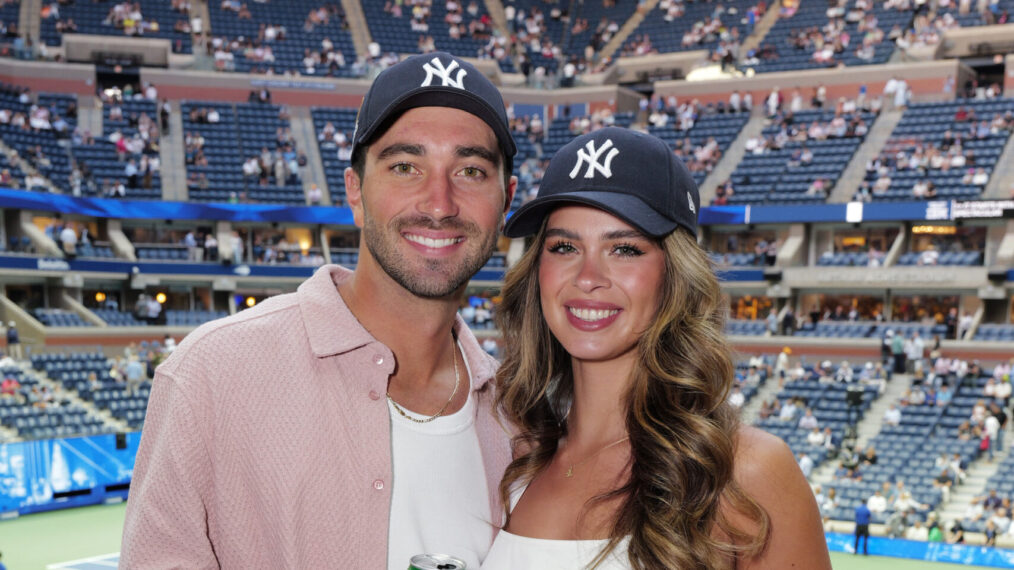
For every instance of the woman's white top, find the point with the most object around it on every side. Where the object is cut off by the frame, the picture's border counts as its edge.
(512, 551)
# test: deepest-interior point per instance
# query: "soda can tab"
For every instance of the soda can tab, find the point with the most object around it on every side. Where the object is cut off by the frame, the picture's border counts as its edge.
(435, 562)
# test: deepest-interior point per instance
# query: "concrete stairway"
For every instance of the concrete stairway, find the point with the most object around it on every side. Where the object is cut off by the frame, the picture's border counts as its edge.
(89, 114)
(761, 29)
(172, 155)
(732, 157)
(1001, 183)
(30, 20)
(496, 13)
(852, 177)
(974, 485)
(616, 42)
(354, 15)
(749, 414)
(869, 426)
(306, 140)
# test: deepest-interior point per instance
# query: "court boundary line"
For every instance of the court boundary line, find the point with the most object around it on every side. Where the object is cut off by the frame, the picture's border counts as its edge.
(100, 558)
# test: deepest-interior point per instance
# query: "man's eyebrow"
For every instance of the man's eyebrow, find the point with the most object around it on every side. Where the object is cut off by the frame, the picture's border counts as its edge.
(401, 148)
(480, 152)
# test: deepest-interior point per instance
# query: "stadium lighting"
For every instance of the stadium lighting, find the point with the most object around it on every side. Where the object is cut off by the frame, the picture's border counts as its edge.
(100, 297)
(250, 301)
(160, 297)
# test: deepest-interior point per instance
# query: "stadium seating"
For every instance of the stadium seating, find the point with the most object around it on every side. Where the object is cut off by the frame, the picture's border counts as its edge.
(814, 16)
(59, 318)
(161, 252)
(667, 36)
(242, 132)
(344, 121)
(92, 18)
(178, 318)
(123, 405)
(828, 402)
(116, 318)
(770, 178)
(596, 13)
(397, 35)
(722, 127)
(298, 40)
(925, 124)
(995, 332)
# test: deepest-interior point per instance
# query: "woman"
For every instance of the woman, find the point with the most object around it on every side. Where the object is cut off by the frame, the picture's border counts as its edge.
(616, 374)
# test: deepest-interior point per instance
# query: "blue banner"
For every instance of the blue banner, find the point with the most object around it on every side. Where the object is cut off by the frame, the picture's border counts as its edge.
(182, 268)
(153, 267)
(57, 473)
(156, 210)
(710, 215)
(928, 551)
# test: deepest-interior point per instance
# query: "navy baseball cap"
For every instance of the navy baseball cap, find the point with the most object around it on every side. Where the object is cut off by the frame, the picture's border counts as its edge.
(434, 79)
(634, 176)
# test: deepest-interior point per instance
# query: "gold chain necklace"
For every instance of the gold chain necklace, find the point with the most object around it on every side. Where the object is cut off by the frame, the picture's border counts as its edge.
(570, 470)
(440, 412)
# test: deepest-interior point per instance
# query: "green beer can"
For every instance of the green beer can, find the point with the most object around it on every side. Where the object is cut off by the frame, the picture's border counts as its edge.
(435, 562)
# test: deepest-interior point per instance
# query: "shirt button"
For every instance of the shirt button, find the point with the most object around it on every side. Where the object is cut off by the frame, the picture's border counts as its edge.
(378, 358)
(378, 484)
(374, 395)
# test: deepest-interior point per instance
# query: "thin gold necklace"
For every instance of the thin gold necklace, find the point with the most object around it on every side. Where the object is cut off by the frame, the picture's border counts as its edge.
(440, 412)
(570, 470)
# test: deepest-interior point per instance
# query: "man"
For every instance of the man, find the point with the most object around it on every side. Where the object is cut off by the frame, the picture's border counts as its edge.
(14, 342)
(863, 516)
(380, 443)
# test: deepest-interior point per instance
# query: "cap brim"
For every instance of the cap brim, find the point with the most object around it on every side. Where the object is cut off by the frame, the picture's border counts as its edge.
(528, 218)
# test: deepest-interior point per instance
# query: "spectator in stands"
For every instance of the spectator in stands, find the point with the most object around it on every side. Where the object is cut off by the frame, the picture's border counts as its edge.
(210, 247)
(788, 411)
(768, 408)
(917, 531)
(390, 281)
(9, 387)
(877, 503)
(1001, 520)
(892, 416)
(805, 464)
(736, 398)
(808, 421)
(135, 374)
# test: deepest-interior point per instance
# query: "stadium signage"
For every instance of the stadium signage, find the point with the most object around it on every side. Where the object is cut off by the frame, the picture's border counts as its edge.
(52, 265)
(983, 209)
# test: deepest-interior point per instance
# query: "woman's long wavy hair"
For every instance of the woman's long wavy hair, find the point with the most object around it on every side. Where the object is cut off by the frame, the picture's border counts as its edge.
(682, 431)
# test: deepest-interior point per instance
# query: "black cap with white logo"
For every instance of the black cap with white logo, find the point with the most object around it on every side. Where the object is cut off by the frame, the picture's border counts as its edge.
(634, 176)
(435, 79)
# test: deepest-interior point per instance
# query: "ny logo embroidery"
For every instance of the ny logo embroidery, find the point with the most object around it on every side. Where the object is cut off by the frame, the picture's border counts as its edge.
(438, 70)
(592, 158)
(690, 200)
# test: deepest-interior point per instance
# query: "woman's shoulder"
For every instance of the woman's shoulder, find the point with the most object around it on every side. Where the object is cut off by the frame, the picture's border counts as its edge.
(760, 455)
(766, 470)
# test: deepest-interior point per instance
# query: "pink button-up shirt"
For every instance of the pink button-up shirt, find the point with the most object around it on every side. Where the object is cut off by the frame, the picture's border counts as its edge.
(267, 442)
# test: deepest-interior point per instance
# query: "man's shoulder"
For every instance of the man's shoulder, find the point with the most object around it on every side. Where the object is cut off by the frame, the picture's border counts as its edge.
(217, 343)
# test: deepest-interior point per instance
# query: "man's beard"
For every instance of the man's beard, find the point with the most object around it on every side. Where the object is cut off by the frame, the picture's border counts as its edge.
(438, 277)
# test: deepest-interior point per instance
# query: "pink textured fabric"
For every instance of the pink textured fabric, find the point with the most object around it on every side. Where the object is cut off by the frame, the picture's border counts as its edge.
(267, 442)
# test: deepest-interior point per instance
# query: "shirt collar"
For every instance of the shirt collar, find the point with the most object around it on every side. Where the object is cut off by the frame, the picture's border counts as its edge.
(333, 329)
(330, 325)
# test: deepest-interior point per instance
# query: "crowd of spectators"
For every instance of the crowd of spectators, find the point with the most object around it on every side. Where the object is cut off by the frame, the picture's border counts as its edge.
(926, 157)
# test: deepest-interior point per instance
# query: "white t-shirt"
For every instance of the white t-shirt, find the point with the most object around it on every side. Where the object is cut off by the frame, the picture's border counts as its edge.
(440, 501)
